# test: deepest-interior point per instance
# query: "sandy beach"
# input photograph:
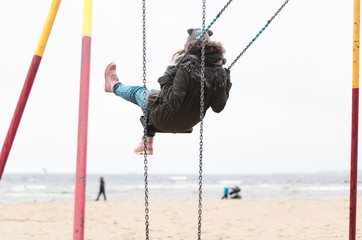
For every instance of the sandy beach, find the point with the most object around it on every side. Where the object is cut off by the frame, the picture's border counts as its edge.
(297, 219)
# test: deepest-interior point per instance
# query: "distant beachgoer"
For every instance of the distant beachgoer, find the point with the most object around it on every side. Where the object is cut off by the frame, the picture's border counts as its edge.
(226, 191)
(234, 193)
(102, 189)
(234, 190)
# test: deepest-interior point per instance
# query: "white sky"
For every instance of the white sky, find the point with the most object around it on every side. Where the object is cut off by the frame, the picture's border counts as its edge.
(289, 108)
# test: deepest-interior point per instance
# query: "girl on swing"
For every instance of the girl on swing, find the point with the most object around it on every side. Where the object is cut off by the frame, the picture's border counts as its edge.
(176, 107)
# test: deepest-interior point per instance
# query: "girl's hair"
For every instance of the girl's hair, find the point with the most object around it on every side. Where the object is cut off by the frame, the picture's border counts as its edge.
(178, 53)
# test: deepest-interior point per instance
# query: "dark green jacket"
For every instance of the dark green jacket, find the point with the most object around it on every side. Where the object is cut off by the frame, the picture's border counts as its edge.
(178, 108)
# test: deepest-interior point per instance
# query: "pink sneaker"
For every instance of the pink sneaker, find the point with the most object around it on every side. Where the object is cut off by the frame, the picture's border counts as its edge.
(141, 147)
(111, 78)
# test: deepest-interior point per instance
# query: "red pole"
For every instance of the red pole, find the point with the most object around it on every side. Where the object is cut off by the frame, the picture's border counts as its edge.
(354, 138)
(29, 80)
(80, 184)
(354, 167)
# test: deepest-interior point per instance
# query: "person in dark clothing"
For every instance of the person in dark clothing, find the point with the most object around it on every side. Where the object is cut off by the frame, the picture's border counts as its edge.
(176, 107)
(102, 189)
(234, 193)
(235, 190)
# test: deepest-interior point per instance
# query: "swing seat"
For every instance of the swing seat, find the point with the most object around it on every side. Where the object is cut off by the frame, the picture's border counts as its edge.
(151, 130)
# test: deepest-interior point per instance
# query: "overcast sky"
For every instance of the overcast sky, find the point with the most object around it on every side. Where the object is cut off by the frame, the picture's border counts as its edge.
(289, 108)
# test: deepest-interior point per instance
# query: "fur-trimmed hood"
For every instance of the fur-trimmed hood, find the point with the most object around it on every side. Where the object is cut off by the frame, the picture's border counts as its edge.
(214, 52)
(215, 74)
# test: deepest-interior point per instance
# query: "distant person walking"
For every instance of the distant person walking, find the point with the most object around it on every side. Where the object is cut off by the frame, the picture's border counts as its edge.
(102, 189)
(226, 191)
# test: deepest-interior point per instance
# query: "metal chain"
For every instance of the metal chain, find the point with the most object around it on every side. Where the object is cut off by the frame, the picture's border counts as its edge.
(202, 94)
(223, 9)
(262, 30)
(214, 20)
(145, 120)
(204, 31)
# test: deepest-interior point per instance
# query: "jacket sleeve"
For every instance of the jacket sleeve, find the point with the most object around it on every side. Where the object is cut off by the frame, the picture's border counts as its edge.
(222, 95)
(174, 89)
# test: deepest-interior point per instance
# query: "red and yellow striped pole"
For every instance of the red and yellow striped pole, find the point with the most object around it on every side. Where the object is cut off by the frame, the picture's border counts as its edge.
(81, 173)
(28, 85)
(354, 138)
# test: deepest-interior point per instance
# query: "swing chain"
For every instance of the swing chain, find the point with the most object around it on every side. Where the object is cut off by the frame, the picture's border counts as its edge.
(223, 9)
(202, 94)
(145, 122)
(213, 21)
(276, 14)
(204, 31)
(262, 30)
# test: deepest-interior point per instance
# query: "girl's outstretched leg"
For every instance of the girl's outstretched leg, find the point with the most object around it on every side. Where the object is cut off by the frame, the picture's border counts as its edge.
(132, 94)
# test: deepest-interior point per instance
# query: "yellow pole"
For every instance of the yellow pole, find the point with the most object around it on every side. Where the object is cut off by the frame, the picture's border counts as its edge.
(47, 28)
(87, 18)
(356, 39)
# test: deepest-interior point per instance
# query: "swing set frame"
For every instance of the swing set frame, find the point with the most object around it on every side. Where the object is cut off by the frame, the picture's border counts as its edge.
(79, 207)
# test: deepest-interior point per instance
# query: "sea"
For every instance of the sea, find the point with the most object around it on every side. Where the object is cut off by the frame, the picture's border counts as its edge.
(46, 187)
